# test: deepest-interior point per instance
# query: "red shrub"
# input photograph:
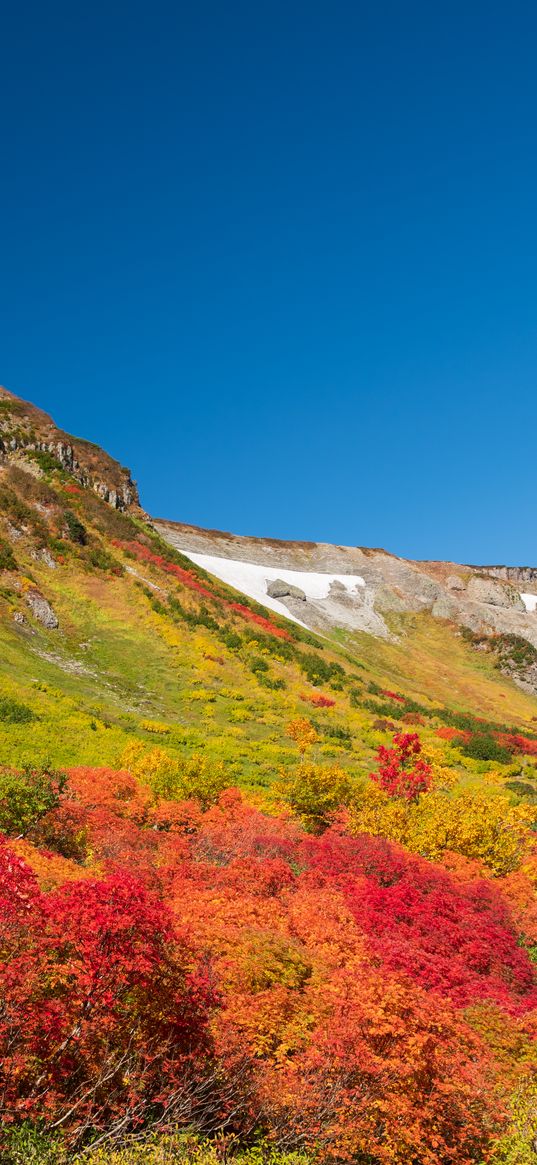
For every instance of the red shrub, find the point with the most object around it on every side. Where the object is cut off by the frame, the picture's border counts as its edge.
(189, 579)
(402, 772)
(318, 700)
(515, 742)
(454, 938)
(260, 621)
(447, 733)
(101, 1013)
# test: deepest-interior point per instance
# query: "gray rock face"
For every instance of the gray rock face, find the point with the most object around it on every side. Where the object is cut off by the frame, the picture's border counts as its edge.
(493, 593)
(278, 589)
(386, 599)
(42, 610)
(445, 608)
(455, 583)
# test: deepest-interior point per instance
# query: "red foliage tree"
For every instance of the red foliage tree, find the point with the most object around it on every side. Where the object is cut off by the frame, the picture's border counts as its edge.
(402, 771)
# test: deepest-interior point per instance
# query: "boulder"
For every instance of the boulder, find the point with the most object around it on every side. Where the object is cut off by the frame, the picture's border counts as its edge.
(454, 582)
(278, 589)
(297, 593)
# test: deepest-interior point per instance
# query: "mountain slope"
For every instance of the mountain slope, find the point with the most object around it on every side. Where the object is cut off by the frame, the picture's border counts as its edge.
(282, 898)
(145, 633)
(358, 588)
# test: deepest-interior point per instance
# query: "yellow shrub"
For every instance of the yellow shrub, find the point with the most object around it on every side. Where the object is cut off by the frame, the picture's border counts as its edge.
(486, 828)
(373, 811)
(155, 726)
(176, 779)
(517, 1147)
(154, 767)
(444, 776)
(302, 732)
(480, 827)
(315, 792)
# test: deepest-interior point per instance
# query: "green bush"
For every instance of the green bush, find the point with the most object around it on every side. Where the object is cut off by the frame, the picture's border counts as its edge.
(7, 558)
(45, 460)
(11, 712)
(258, 664)
(317, 670)
(100, 559)
(523, 790)
(25, 797)
(335, 732)
(230, 638)
(273, 685)
(483, 746)
(77, 532)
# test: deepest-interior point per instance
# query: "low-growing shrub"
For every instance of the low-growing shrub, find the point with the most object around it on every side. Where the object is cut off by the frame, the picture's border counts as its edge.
(155, 726)
(27, 796)
(12, 712)
(45, 460)
(7, 557)
(77, 531)
(483, 746)
(523, 790)
(274, 685)
(315, 793)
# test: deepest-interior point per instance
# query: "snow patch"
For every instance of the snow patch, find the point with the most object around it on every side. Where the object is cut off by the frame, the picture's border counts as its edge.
(530, 602)
(252, 579)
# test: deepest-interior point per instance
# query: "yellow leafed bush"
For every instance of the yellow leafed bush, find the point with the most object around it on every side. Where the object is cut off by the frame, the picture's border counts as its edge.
(482, 827)
(316, 792)
(176, 779)
(154, 726)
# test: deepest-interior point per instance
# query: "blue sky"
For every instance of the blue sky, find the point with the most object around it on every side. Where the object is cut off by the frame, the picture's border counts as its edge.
(281, 259)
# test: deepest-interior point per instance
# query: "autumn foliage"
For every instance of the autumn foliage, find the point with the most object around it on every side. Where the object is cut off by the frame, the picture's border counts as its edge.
(220, 968)
(402, 770)
(189, 579)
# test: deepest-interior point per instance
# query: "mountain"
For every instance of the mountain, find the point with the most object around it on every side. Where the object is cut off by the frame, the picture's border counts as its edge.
(267, 860)
(326, 587)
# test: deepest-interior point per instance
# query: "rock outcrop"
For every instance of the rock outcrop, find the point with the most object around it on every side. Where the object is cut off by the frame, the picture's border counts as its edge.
(493, 593)
(42, 610)
(26, 431)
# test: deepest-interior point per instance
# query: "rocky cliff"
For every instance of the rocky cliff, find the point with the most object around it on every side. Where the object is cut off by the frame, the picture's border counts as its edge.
(29, 436)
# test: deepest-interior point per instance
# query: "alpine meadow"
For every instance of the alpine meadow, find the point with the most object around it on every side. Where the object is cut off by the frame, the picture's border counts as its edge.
(267, 868)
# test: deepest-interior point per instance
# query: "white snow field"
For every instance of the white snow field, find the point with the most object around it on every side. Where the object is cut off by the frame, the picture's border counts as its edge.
(252, 579)
(530, 602)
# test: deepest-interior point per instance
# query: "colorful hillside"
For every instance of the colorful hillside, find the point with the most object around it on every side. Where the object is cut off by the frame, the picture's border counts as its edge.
(268, 892)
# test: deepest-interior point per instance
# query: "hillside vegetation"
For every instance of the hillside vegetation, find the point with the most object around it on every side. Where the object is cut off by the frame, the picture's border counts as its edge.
(267, 896)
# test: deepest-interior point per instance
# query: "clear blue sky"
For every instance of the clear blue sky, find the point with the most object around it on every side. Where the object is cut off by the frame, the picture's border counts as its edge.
(281, 259)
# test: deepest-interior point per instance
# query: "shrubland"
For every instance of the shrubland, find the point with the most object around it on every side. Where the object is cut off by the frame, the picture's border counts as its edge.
(265, 897)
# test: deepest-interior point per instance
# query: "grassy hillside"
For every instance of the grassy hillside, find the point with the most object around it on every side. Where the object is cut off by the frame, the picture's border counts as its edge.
(351, 957)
